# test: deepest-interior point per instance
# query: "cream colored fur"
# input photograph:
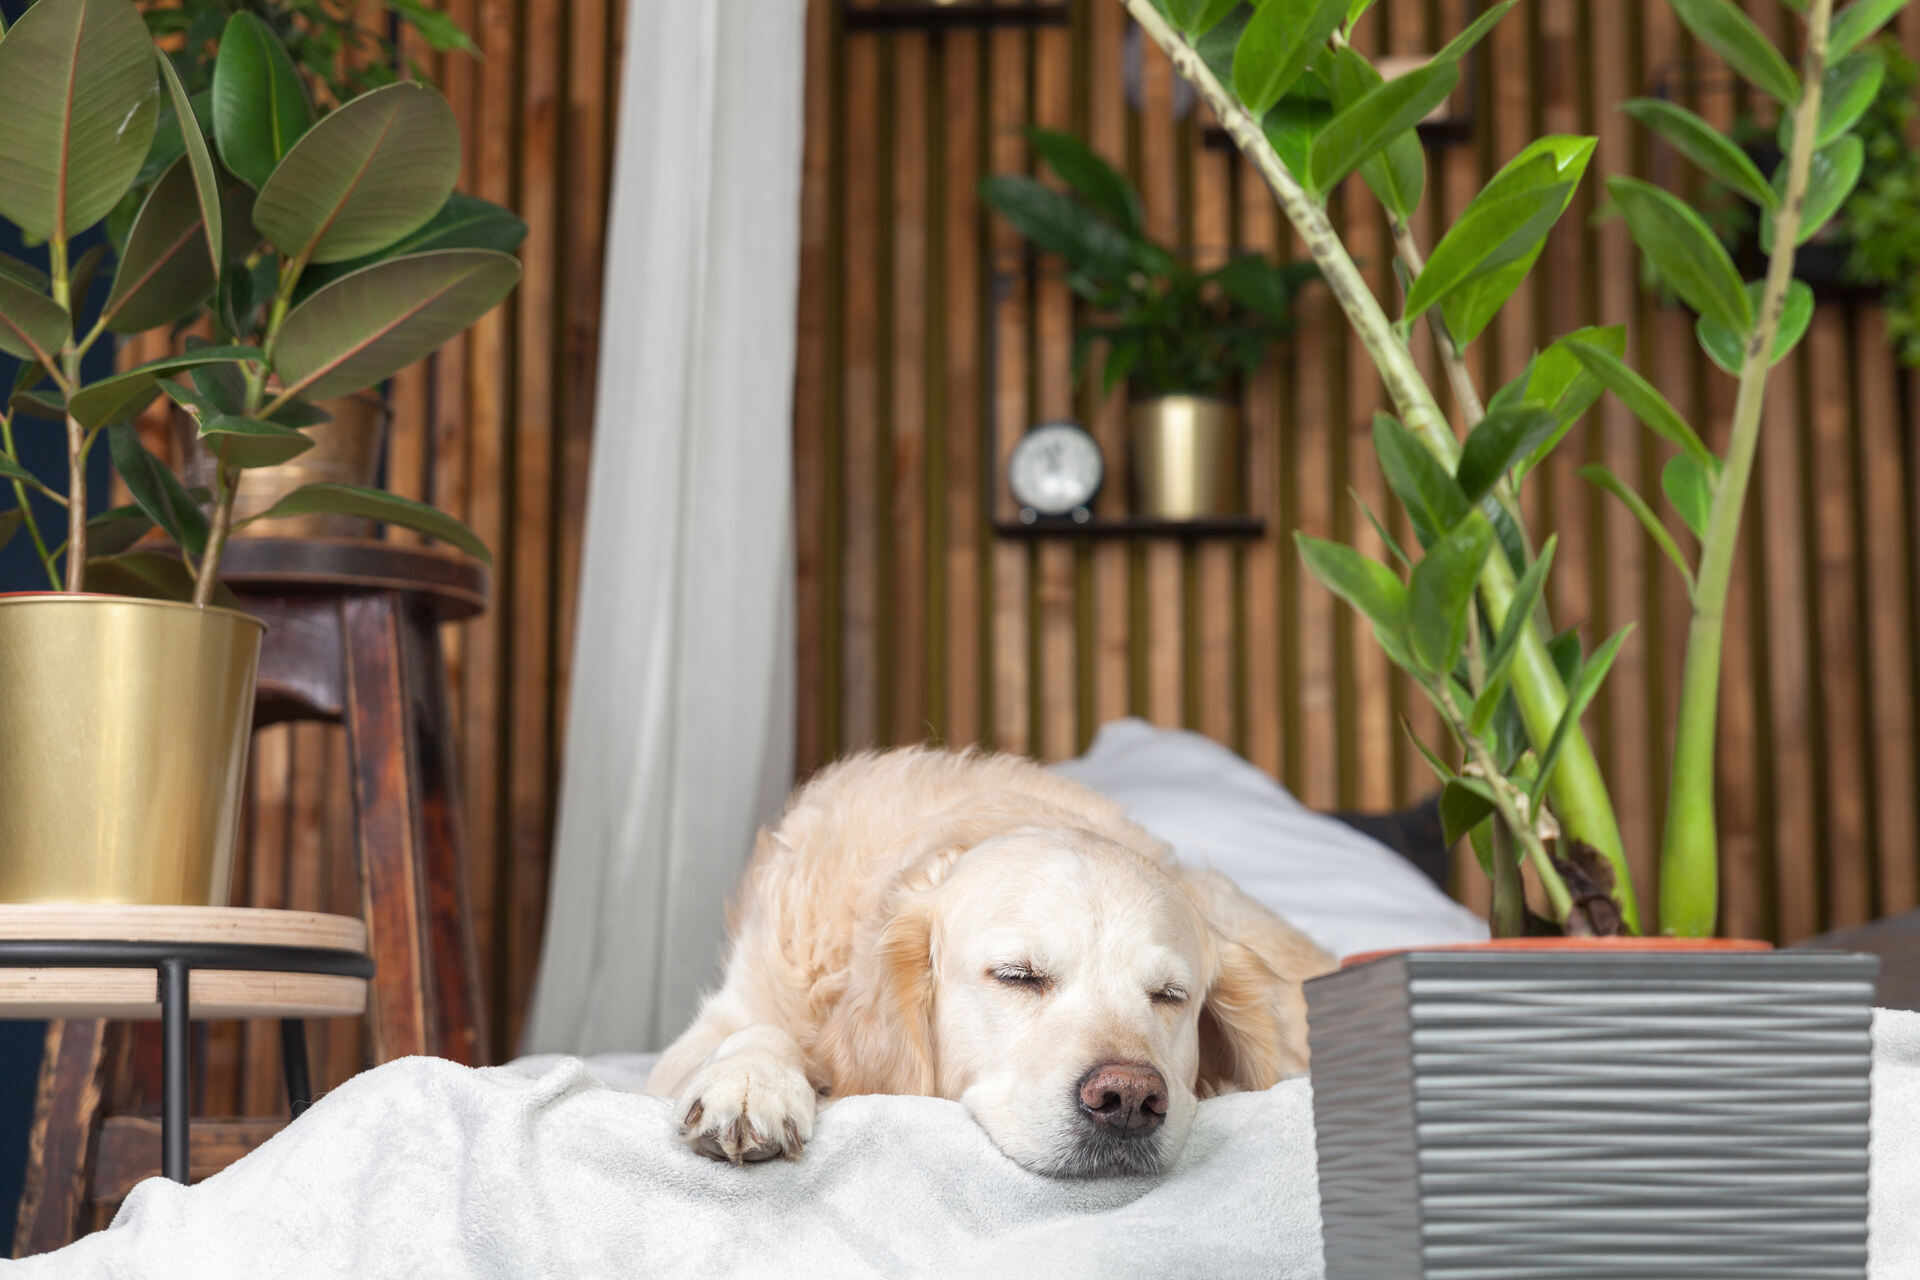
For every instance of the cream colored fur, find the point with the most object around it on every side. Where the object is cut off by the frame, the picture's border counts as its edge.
(879, 933)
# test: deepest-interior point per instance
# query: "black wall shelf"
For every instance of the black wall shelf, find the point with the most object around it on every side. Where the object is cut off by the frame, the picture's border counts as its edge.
(901, 15)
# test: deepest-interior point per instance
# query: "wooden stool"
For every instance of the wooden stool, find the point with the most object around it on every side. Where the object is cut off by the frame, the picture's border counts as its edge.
(353, 638)
(83, 964)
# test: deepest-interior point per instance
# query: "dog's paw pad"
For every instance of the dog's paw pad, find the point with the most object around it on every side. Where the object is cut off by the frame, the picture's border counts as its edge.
(745, 1111)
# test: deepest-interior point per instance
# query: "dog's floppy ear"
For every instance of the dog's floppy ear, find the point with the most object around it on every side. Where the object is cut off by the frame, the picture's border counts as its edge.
(1242, 1038)
(879, 1036)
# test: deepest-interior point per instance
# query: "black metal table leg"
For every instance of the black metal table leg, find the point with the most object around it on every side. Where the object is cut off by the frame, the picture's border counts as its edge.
(293, 1057)
(174, 1021)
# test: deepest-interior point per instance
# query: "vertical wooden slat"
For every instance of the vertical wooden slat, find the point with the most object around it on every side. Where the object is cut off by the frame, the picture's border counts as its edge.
(1054, 596)
(1211, 660)
(1107, 132)
(1263, 705)
(1165, 633)
(966, 671)
(860, 649)
(906, 531)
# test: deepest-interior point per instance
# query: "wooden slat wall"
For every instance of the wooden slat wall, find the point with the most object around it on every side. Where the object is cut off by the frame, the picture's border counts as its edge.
(920, 323)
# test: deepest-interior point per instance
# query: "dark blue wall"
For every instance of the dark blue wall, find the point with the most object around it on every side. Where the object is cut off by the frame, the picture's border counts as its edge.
(43, 449)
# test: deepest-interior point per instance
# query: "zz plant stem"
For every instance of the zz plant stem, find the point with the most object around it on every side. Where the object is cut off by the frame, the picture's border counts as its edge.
(1689, 867)
(1579, 791)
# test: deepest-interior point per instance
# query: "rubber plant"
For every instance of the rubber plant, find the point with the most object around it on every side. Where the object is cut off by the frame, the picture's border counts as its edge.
(329, 253)
(1468, 620)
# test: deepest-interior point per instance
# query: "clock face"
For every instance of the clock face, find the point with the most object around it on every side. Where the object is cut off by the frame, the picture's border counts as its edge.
(1055, 468)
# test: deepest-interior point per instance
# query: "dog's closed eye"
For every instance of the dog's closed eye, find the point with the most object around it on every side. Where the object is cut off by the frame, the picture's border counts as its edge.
(1025, 977)
(1172, 993)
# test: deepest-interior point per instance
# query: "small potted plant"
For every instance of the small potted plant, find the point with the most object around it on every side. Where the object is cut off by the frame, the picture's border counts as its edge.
(1181, 338)
(1667, 1105)
(126, 691)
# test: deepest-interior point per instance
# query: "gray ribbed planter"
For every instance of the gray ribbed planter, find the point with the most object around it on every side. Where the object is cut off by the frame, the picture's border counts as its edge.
(1547, 1115)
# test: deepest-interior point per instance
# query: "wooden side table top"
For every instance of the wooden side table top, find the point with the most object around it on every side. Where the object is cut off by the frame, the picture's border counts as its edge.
(214, 993)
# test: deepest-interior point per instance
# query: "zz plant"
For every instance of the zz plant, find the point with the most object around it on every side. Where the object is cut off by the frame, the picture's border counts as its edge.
(326, 253)
(1467, 620)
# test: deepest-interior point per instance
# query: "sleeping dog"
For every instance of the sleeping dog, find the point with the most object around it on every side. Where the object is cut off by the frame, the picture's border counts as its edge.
(974, 927)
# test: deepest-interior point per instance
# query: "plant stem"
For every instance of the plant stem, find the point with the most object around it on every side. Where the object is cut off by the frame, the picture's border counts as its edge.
(26, 508)
(1689, 855)
(76, 434)
(1579, 791)
(1459, 377)
(208, 575)
(1509, 914)
(1520, 825)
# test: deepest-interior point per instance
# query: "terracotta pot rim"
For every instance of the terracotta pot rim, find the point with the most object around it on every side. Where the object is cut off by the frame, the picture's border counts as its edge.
(1608, 946)
(103, 597)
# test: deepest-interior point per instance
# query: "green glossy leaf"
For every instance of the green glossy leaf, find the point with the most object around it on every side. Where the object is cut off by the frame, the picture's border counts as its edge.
(1440, 593)
(1642, 398)
(376, 504)
(1434, 762)
(241, 441)
(1559, 381)
(1369, 586)
(25, 273)
(377, 321)
(1280, 38)
(206, 186)
(1217, 45)
(1705, 145)
(1580, 693)
(149, 575)
(1689, 487)
(11, 469)
(116, 530)
(1846, 91)
(1857, 23)
(224, 386)
(164, 273)
(78, 99)
(1432, 498)
(121, 396)
(1387, 539)
(32, 325)
(1471, 307)
(1526, 597)
(156, 491)
(1360, 131)
(1488, 236)
(1355, 9)
(1291, 127)
(298, 413)
(1729, 349)
(1465, 803)
(1476, 31)
(1397, 176)
(39, 404)
(1684, 251)
(361, 178)
(1088, 175)
(81, 276)
(1831, 177)
(1729, 32)
(260, 106)
(1597, 473)
(1501, 440)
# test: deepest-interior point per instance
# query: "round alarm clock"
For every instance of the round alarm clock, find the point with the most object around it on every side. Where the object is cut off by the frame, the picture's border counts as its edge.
(1055, 470)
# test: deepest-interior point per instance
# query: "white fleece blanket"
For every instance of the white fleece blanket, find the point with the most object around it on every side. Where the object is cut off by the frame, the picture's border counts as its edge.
(422, 1168)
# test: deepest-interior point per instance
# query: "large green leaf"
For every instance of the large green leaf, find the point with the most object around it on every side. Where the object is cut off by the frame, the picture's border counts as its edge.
(1580, 693)
(1465, 803)
(1471, 307)
(1488, 236)
(1501, 440)
(77, 105)
(1557, 380)
(1440, 594)
(1729, 32)
(1729, 349)
(119, 397)
(1526, 596)
(376, 504)
(260, 105)
(1855, 25)
(1689, 487)
(32, 325)
(149, 575)
(1643, 399)
(1432, 498)
(1602, 475)
(155, 489)
(464, 222)
(25, 272)
(206, 187)
(1398, 174)
(1831, 177)
(240, 441)
(377, 321)
(37, 404)
(364, 176)
(1684, 251)
(1369, 586)
(1358, 132)
(1280, 39)
(1705, 145)
(1291, 127)
(164, 272)
(1846, 91)
(116, 530)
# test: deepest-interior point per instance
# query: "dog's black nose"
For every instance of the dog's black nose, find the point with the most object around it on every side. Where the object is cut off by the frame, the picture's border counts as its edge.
(1127, 1099)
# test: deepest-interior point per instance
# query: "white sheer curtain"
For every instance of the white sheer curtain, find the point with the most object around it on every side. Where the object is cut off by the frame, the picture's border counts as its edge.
(680, 718)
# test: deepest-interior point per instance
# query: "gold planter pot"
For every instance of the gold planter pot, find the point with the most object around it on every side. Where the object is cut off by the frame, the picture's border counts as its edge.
(1185, 457)
(345, 451)
(123, 748)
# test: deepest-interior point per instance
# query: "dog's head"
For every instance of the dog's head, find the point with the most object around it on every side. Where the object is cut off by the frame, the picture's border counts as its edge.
(1071, 993)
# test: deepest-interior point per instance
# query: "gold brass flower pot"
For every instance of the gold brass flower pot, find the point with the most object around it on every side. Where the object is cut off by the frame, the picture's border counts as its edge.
(345, 451)
(1185, 457)
(123, 748)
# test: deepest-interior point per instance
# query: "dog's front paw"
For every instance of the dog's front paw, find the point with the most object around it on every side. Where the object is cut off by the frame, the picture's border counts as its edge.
(746, 1108)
